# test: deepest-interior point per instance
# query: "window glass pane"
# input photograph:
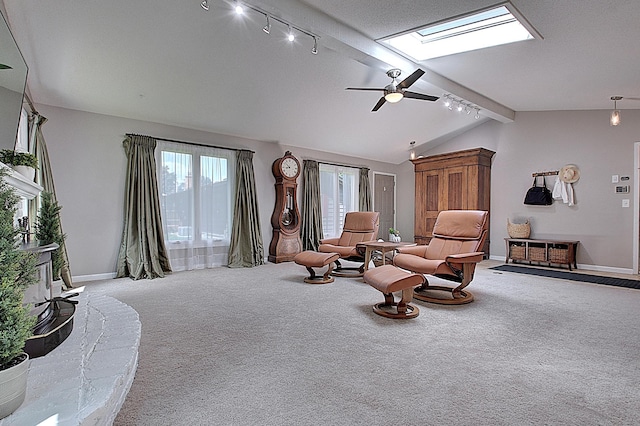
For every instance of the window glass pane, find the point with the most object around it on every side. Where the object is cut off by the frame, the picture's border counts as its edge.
(176, 195)
(215, 199)
(339, 193)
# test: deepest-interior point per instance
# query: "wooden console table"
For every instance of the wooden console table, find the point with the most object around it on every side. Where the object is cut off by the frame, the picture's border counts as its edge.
(542, 251)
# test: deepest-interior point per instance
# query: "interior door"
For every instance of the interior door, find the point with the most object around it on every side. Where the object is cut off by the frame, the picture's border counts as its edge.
(384, 202)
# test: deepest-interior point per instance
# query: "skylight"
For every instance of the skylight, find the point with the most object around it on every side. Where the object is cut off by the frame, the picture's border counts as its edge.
(486, 28)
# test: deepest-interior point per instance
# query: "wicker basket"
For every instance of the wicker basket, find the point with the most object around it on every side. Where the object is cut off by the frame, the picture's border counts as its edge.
(537, 254)
(558, 255)
(518, 230)
(517, 252)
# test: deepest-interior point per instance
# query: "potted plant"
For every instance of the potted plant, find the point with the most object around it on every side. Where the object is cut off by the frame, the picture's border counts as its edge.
(22, 162)
(17, 272)
(394, 235)
(48, 230)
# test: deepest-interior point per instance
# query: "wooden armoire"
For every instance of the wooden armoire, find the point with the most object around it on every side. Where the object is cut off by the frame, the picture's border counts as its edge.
(455, 181)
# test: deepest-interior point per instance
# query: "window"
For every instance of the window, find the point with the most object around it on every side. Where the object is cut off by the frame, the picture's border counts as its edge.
(339, 193)
(196, 201)
(486, 28)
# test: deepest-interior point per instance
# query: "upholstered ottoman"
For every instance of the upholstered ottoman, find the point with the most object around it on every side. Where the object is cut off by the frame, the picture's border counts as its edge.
(313, 259)
(387, 279)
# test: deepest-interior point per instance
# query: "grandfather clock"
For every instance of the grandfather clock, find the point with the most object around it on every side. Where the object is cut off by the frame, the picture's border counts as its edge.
(285, 220)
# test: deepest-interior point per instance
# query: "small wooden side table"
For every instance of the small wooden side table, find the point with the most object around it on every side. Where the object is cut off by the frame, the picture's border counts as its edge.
(381, 246)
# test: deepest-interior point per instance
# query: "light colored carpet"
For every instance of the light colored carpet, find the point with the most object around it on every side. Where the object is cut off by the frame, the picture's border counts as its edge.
(260, 347)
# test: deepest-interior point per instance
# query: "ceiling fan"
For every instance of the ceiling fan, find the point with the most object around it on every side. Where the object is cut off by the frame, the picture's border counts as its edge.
(395, 91)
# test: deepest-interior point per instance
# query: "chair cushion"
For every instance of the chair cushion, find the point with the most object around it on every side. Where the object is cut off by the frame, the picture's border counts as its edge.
(388, 279)
(419, 264)
(460, 224)
(344, 252)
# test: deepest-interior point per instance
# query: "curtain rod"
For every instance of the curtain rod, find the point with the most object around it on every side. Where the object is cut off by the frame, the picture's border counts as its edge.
(336, 164)
(192, 143)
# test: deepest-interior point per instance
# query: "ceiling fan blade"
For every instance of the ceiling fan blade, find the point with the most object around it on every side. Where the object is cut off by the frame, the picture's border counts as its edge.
(365, 88)
(411, 79)
(379, 104)
(414, 95)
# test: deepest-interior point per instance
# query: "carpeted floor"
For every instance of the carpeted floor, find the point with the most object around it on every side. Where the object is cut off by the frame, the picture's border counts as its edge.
(260, 347)
(572, 276)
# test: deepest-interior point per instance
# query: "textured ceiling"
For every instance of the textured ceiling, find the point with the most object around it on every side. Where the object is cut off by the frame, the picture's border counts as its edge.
(174, 63)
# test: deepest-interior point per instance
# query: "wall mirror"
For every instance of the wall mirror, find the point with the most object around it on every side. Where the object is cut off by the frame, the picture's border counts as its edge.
(13, 78)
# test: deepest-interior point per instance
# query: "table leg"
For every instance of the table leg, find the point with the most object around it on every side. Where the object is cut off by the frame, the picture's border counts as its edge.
(367, 258)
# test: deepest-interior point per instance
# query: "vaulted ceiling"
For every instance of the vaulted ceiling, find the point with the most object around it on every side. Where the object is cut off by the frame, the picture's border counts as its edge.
(172, 62)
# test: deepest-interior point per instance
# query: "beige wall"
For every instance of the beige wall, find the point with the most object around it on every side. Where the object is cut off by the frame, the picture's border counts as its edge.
(541, 141)
(89, 167)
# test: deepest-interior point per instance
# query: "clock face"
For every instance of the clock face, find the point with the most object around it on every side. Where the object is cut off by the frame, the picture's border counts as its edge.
(289, 167)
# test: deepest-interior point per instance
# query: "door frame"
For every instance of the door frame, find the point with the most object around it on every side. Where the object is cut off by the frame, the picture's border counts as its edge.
(395, 194)
(636, 208)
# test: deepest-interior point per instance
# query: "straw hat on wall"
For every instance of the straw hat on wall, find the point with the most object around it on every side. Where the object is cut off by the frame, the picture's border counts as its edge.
(569, 173)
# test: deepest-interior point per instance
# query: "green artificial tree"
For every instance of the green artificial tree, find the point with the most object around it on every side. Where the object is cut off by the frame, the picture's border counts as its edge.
(17, 272)
(48, 230)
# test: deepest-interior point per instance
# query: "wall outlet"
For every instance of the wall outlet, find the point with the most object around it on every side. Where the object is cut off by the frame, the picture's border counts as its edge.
(614, 179)
(625, 202)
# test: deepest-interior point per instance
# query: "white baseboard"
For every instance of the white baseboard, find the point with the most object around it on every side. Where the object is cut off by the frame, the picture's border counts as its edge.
(94, 277)
(610, 269)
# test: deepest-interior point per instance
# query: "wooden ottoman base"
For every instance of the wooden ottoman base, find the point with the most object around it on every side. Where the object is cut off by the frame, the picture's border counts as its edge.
(388, 279)
(313, 259)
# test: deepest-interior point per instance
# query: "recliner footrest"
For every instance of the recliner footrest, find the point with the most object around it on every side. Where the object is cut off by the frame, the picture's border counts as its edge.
(389, 279)
(313, 259)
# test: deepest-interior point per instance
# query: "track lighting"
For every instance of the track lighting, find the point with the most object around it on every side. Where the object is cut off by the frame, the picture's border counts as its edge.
(460, 105)
(240, 8)
(615, 114)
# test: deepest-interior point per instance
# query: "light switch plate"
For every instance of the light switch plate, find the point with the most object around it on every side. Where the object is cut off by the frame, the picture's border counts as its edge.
(614, 179)
(625, 202)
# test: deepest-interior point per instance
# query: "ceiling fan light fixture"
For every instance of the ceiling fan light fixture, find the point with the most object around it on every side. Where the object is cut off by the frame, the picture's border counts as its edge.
(393, 97)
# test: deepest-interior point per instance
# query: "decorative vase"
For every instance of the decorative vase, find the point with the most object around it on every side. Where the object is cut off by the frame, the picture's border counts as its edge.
(13, 387)
(28, 172)
(394, 238)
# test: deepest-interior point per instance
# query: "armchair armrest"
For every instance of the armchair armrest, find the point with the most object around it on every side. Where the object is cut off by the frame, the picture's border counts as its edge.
(333, 241)
(415, 250)
(474, 257)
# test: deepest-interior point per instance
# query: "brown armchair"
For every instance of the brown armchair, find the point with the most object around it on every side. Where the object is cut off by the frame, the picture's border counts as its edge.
(452, 254)
(358, 227)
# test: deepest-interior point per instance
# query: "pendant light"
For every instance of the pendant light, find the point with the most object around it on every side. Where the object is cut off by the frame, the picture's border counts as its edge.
(615, 114)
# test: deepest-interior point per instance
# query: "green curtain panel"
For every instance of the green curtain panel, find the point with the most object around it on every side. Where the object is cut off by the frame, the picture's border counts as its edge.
(142, 250)
(311, 230)
(246, 249)
(44, 178)
(364, 191)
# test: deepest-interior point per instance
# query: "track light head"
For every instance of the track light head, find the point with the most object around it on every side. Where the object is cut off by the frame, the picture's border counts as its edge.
(290, 36)
(267, 28)
(239, 9)
(205, 4)
(314, 50)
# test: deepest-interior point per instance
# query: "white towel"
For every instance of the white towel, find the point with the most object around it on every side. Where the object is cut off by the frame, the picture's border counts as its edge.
(563, 191)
